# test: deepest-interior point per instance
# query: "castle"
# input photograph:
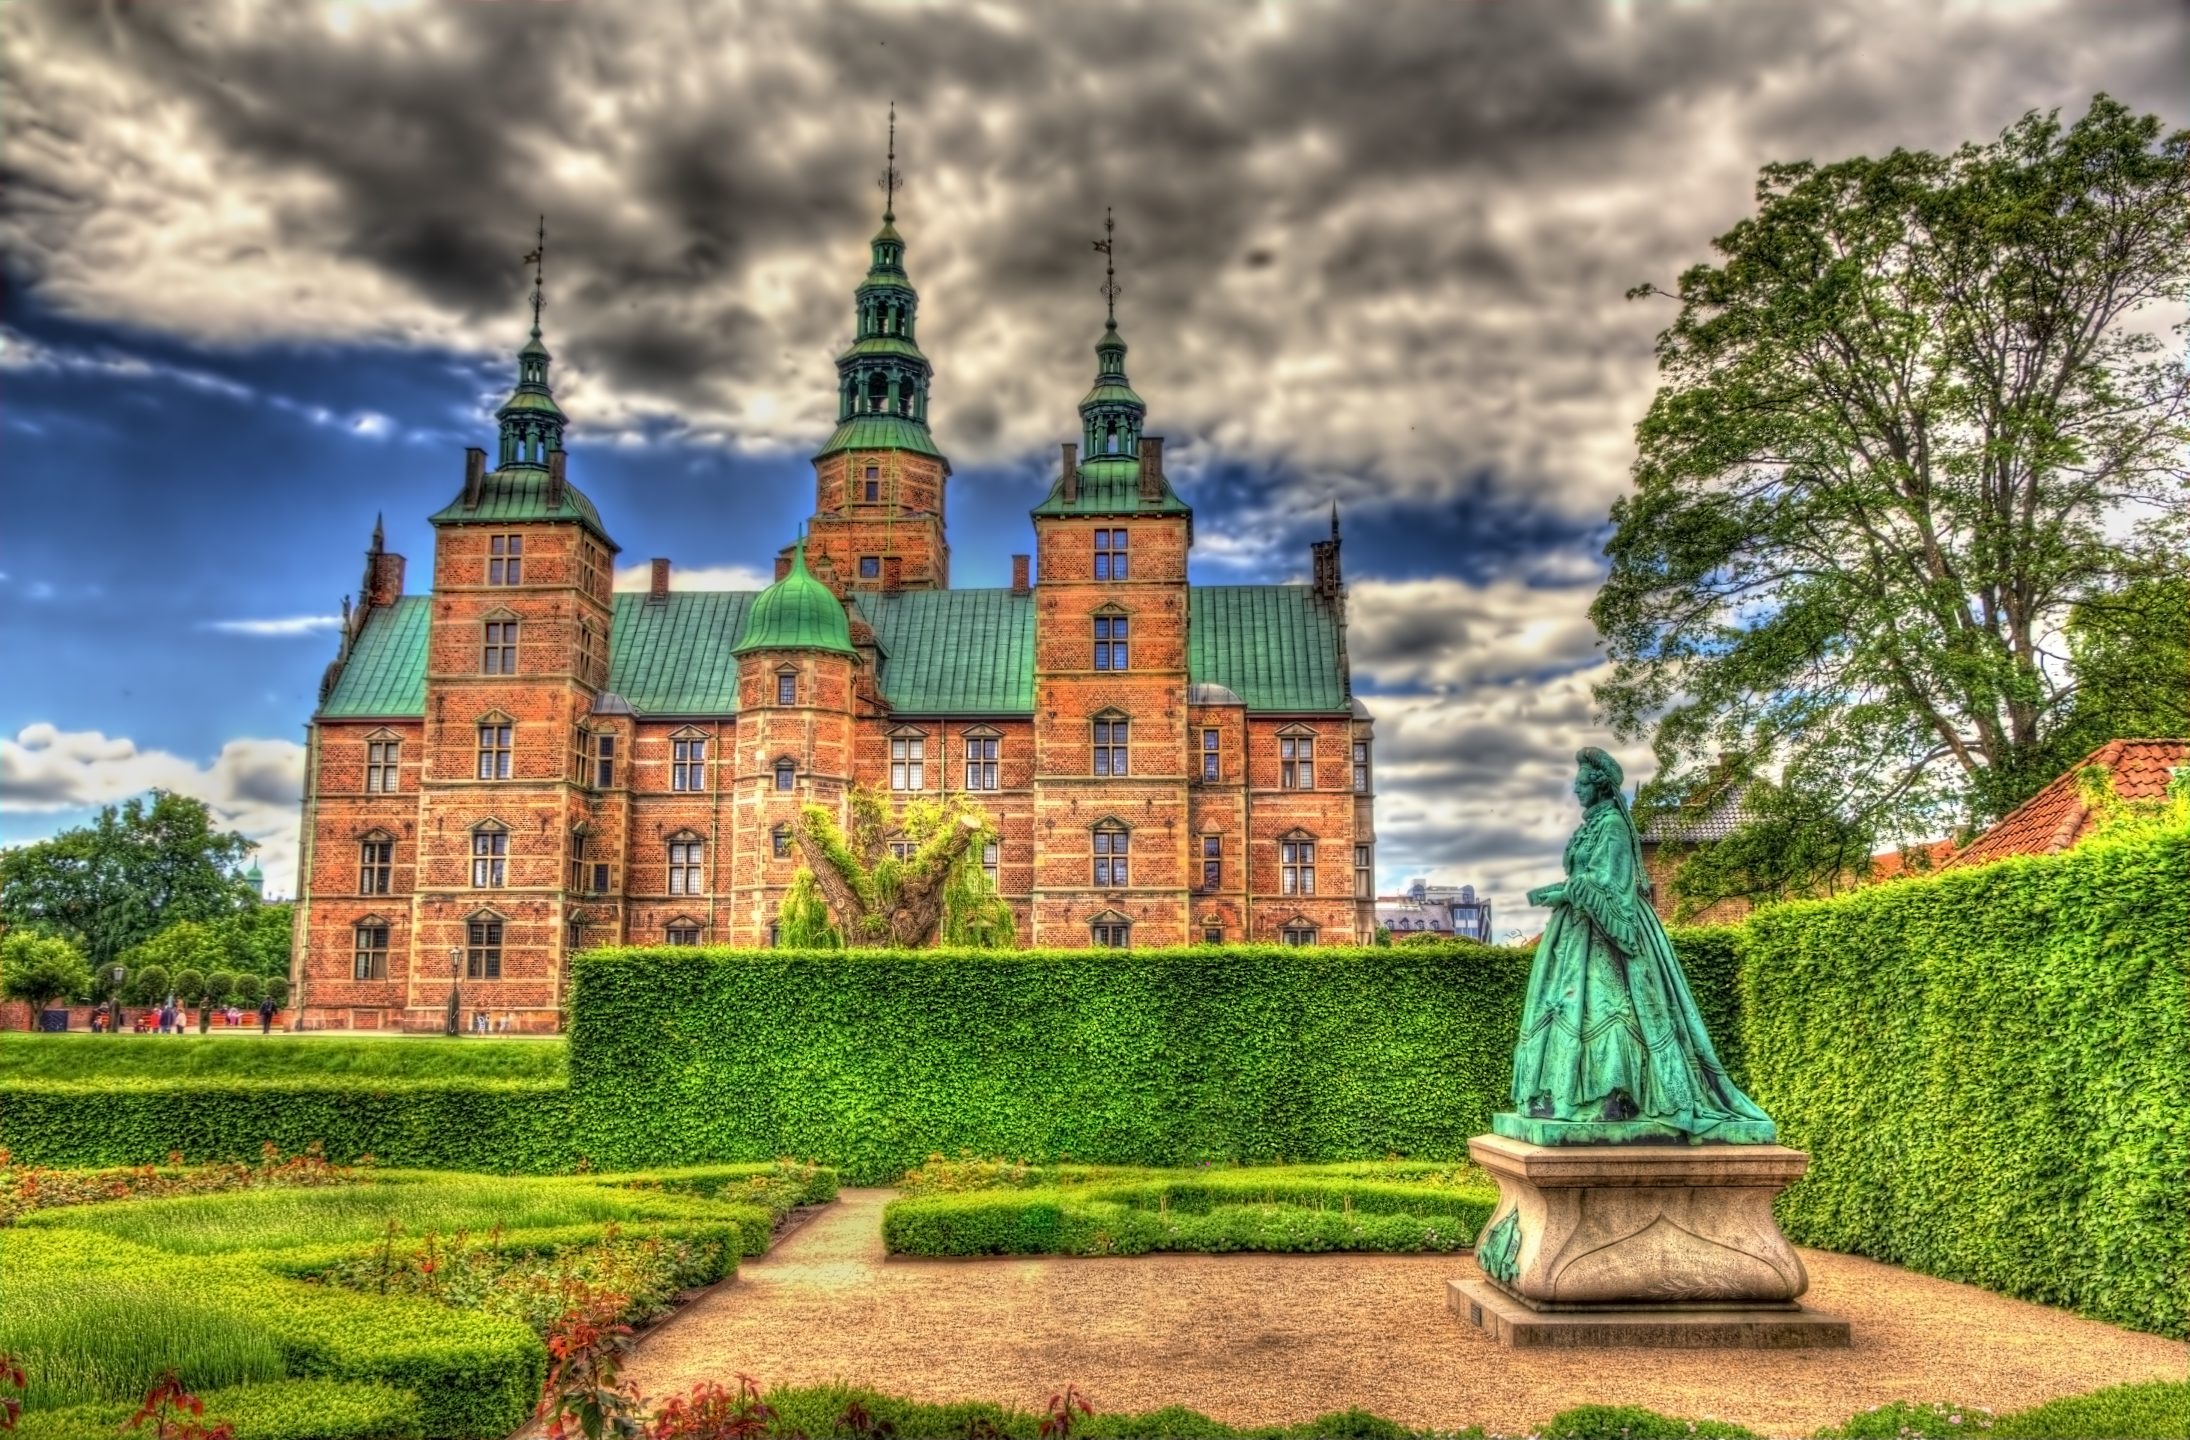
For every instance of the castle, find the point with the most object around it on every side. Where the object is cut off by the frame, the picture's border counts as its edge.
(522, 763)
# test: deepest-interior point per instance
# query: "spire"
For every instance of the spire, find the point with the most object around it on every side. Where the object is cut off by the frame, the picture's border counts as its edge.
(1111, 414)
(380, 534)
(532, 423)
(882, 379)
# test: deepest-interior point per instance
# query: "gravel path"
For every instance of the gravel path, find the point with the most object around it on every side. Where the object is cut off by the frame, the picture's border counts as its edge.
(1252, 1339)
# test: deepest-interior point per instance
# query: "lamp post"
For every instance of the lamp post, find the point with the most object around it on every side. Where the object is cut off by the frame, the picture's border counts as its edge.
(114, 998)
(456, 959)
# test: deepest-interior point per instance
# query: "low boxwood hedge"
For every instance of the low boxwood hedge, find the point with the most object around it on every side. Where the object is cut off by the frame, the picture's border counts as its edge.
(284, 1410)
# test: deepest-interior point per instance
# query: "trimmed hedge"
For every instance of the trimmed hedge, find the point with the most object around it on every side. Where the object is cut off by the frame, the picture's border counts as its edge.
(284, 1410)
(869, 1061)
(248, 1055)
(1990, 1069)
(503, 1126)
(1711, 957)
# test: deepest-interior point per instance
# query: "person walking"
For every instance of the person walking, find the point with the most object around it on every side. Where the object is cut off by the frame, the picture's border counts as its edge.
(266, 1015)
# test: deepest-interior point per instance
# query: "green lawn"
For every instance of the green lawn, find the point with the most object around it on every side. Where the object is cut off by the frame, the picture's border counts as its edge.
(252, 1056)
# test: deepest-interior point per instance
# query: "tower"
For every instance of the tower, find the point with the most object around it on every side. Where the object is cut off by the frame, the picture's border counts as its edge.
(1110, 675)
(879, 481)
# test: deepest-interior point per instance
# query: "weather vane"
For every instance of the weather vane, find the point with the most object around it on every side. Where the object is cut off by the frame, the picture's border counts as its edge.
(888, 180)
(536, 259)
(1110, 265)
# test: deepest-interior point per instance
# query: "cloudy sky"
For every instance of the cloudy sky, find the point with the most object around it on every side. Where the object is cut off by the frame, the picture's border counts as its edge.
(263, 281)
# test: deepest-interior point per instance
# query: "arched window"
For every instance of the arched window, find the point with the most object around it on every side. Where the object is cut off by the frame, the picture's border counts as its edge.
(1111, 842)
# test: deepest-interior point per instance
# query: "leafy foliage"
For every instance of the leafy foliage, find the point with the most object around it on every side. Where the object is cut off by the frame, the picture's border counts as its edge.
(804, 917)
(41, 969)
(1897, 417)
(279, 1410)
(1991, 1071)
(133, 871)
(877, 898)
(871, 1060)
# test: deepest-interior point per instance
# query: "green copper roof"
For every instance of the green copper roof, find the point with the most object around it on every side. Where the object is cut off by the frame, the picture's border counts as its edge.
(1111, 485)
(881, 432)
(1112, 392)
(529, 402)
(1276, 645)
(896, 345)
(798, 612)
(954, 652)
(672, 656)
(943, 652)
(886, 280)
(386, 674)
(519, 492)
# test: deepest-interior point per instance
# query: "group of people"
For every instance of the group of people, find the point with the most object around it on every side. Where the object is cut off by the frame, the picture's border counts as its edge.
(495, 1023)
(169, 1018)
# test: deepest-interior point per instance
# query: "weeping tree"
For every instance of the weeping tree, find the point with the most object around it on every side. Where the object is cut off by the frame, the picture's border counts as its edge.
(857, 891)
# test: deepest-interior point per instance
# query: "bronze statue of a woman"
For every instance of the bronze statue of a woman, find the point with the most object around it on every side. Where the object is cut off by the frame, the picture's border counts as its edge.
(1611, 1046)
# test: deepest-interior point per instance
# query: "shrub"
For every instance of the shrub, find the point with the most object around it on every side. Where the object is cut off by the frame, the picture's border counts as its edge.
(149, 985)
(1991, 1071)
(41, 969)
(219, 986)
(281, 1410)
(2121, 1412)
(249, 988)
(1631, 1422)
(189, 986)
(869, 1061)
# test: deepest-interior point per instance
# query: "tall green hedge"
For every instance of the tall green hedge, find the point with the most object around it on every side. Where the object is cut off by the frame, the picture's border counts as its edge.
(872, 1061)
(1710, 957)
(496, 1125)
(1991, 1072)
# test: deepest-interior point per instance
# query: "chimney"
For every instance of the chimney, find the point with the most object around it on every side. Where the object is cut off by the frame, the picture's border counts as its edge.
(555, 481)
(893, 572)
(1072, 472)
(658, 584)
(475, 475)
(783, 564)
(1019, 585)
(1151, 467)
(385, 579)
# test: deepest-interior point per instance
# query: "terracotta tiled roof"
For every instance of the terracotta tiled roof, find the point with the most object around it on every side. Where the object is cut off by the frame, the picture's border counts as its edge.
(1887, 864)
(2056, 817)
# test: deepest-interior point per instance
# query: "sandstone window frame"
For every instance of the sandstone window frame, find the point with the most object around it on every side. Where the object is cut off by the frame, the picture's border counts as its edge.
(1299, 930)
(383, 762)
(497, 734)
(604, 759)
(589, 651)
(685, 852)
(688, 761)
(870, 567)
(1110, 845)
(786, 771)
(1212, 753)
(369, 947)
(1297, 863)
(1365, 872)
(787, 685)
(581, 864)
(1296, 758)
(779, 841)
(489, 855)
(1362, 773)
(483, 939)
(871, 481)
(908, 759)
(1110, 931)
(1212, 861)
(1110, 743)
(506, 559)
(1112, 627)
(991, 860)
(983, 747)
(498, 641)
(1110, 554)
(1212, 934)
(375, 863)
(682, 930)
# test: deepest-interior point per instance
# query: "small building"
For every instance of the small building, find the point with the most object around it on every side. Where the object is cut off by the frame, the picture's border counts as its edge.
(2058, 817)
(1427, 909)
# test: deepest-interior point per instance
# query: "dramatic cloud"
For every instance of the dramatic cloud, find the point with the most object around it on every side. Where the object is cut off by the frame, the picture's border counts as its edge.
(281, 629)
(253, 786)
(1367, 249)
(697, 577)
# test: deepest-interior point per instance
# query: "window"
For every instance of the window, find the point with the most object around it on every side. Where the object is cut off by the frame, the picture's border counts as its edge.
(1364, 872)
(604, 761)
(874, 492)
(980, 761)
(371, 955)
(483, 950)
(1297, 762)
(375, 865)
(1110, 642)
(786, 687)
(1111, 935)
(870, 566)
(908, 770)
(1212, 935)
(1297, 867)
(494, 751)
(489, 857)
(1110, 554)
(786, 774)
(1361, 767)
(380, 766)
(1300, 935)
(780, 839)
(499, 657)
(573, 936)
(775, 934)
(989, 854)
(594, 564)
(688, 764)
(506, 560)
(1212, 861)
(902, 850)
(1110, 747)
(580, 869)
(1110, 855)
(1209, 755)
(600, 877)
(686, 855)
(682, 932)
(589, 651)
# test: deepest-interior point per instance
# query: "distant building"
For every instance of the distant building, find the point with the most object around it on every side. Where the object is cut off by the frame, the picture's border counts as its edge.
(2059, 816)
(1436, 909)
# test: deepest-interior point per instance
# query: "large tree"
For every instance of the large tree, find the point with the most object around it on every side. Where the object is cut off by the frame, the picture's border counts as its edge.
(41, 969)
(1917, 411)
(133, 871)
(876, 898)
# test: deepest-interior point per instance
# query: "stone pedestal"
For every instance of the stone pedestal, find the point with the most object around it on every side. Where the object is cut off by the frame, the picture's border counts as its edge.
(1639, 1244)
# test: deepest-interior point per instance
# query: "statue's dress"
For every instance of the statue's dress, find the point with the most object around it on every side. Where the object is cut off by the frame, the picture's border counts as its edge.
(1609, 1013)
